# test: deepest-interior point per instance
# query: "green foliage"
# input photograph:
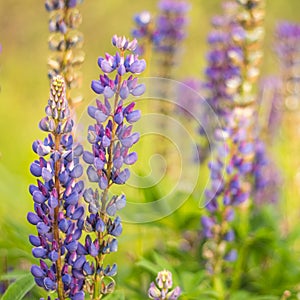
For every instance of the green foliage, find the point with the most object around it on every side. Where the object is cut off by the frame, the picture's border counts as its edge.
(19, 288)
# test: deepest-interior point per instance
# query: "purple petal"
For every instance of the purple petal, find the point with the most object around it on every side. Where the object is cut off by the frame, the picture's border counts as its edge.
(35, 240)
(100, 116)
(37, 271)
(38, 197)
(92, 174)
(39, 252)
(77, 171)
(46, 174)
(106, 67)
(33, 218)
(97, 87)
(103, 183)
(72, 199)
(35, 169)
(129, 141)
(121, 202)
(124, 92)
(78, 264)
(108, 92)
(42, 228)
(122, 177)
(131, 158)
(133, 116)
(88, 157)
(139, 90)
(113, 245)
(78, 213)
(91, 111)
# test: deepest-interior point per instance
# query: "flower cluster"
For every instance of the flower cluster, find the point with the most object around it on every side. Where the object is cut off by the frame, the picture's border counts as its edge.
(162, 290)
(170, 29)
(65, 43)
(58, 215)
(266, 176)
(224, 60)
(144, 31)
(235, 57)
(111, 138)
(228, 189)
(250, 16)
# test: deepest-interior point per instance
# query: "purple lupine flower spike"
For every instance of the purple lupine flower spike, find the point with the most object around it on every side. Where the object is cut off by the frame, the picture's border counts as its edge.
(144, 32)
(170, 32)
(111, 137)
(58, 214)
(231, 74)
(162, 289)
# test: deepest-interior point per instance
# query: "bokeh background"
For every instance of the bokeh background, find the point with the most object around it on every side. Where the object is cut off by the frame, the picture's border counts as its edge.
(24, 92)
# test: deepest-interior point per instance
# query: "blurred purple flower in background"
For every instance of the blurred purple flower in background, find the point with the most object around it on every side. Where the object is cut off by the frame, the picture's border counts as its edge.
(65, 43)
(170, 30)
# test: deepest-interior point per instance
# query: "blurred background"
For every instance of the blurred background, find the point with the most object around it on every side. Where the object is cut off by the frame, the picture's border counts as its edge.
(24, 94)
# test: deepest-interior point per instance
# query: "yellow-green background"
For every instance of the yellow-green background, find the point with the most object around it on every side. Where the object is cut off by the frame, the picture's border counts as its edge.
(24, 83)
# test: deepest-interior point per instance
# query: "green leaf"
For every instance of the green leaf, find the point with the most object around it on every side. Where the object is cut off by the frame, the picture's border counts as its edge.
(18, 289)
(148, 265)
(13, 275)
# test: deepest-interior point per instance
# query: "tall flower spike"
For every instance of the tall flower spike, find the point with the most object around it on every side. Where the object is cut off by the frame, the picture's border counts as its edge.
(111, 138)
(170, 32)
(145, 33)
(224, 60)
(228, 190)
(58, 215)
(236, 55)
(65, 44)
(162, 290)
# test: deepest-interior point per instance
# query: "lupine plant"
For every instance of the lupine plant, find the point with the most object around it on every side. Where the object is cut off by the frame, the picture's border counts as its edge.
(58, 214)
(228, 190)
(247, 245)
(144, 32)
(65, 43)
(235, 57)
(170, 27)
(162, 35)
(162, 290)
(111, 138)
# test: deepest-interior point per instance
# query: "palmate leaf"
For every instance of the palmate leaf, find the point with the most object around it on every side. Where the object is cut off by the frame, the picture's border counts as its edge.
(18, 289)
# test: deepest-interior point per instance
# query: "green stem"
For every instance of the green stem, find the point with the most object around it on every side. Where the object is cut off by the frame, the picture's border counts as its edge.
(217, 280)
(243, 250)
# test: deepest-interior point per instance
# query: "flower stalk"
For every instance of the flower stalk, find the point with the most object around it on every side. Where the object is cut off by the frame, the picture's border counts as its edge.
(111, 139)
